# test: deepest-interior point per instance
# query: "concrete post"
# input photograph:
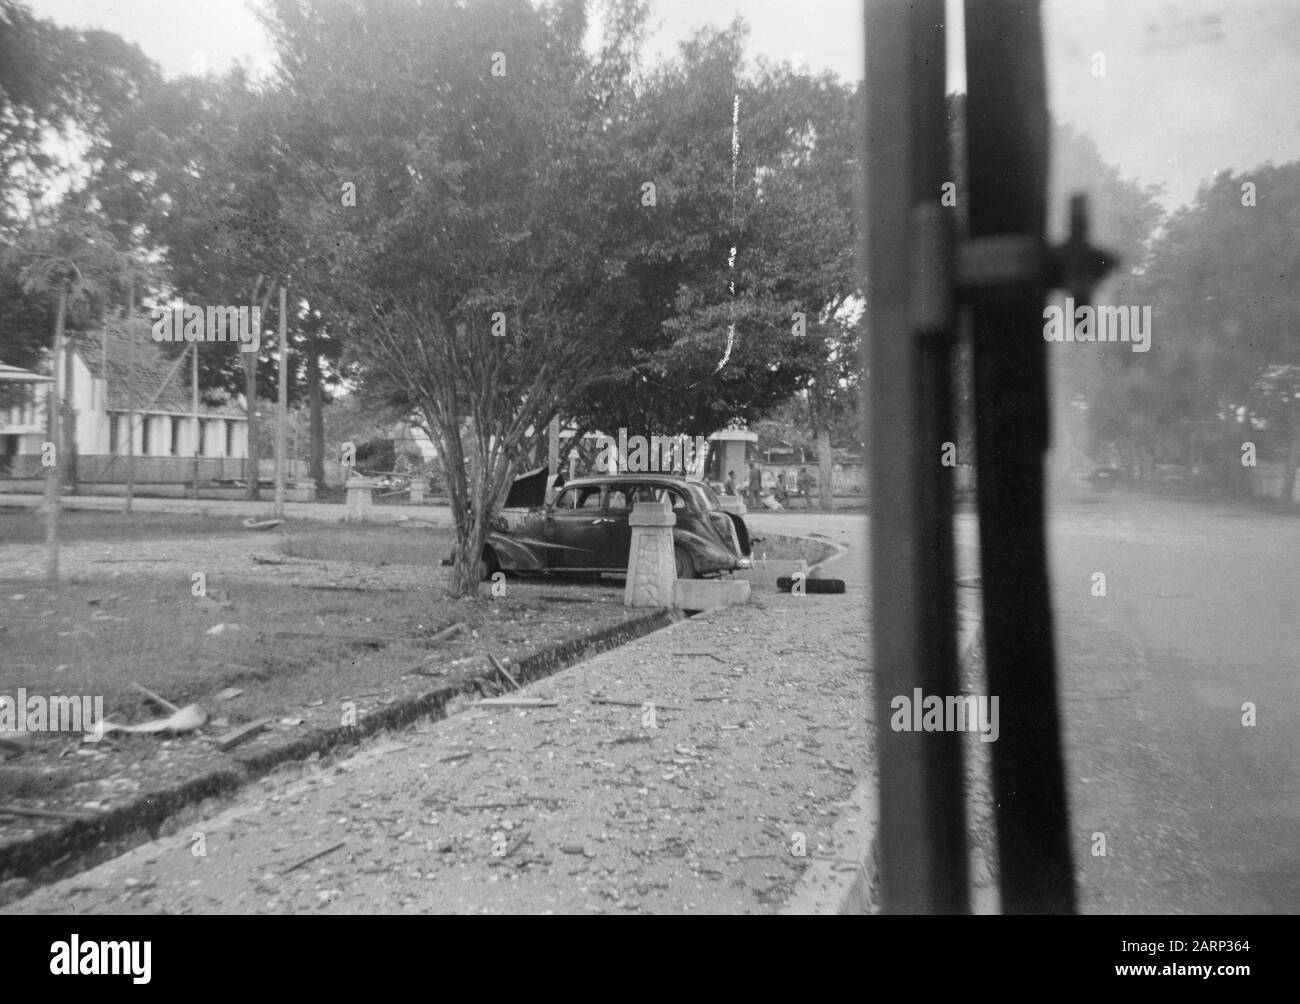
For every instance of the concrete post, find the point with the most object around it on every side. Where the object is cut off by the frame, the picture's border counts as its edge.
(359, 499)
(651, 569)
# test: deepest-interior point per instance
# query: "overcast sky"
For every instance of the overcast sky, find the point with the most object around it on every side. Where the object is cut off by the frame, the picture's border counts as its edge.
(1189, 88)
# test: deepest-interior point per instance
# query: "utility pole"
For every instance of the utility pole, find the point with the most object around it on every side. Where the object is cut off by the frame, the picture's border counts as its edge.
(908, 354)
(130, 413)
(52, 473)
(282, 408)
(194, 406)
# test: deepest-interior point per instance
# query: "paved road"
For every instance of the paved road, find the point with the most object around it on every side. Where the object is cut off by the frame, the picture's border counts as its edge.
(1199, 812)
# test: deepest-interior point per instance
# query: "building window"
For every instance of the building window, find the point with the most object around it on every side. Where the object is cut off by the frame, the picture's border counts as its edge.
(145, 427)
(202, 430)
(176, 437)
(115, 433)
(230, 437)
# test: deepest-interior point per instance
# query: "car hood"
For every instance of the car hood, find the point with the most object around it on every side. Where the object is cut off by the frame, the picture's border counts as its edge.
(529, 490)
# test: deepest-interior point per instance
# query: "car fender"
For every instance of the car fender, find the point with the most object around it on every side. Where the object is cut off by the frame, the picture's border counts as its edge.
(706, 552)
(742, 540)
(515, 554)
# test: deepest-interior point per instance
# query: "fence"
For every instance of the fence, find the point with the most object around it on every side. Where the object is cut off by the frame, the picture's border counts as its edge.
(104, 469)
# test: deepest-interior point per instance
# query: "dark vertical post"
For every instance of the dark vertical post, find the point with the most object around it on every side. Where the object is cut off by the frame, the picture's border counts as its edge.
(906, 252)
(1007, 146)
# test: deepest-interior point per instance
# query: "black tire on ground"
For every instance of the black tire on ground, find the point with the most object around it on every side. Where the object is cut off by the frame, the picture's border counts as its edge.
(786, 583)
(488, 564)
(685, 566)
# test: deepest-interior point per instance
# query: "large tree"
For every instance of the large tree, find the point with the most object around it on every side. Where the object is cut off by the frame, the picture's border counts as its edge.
(1227, 311)
(74, 263)
(469, 225)
(59, 88)
(752, 224)
(204, 172)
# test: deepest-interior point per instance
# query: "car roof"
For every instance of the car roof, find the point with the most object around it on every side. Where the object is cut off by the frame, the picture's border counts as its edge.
(604, 479)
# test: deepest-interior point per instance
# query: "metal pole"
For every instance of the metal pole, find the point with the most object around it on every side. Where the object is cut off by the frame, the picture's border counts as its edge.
(130, 415)
(907, 352)
(1007, 138)
(282, 408)
(53, 477)
(194, 405)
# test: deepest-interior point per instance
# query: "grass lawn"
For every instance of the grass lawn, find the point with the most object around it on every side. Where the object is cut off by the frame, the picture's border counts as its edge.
(315, 614)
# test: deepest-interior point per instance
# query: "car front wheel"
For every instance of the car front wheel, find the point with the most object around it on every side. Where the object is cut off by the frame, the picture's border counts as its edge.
(685, 566)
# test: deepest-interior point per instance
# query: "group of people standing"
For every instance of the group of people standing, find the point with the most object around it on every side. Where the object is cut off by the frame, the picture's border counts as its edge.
(805, 485)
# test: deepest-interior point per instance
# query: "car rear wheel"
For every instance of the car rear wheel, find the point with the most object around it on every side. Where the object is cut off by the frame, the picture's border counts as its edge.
(685, 566)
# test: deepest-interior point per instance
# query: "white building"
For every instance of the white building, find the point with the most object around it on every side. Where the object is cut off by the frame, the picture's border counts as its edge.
(119, 380)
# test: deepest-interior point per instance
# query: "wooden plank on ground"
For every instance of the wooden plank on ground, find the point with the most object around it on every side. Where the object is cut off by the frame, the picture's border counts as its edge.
(245, 732)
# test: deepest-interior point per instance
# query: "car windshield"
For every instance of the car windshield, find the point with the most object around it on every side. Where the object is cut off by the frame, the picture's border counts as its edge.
(710, 499)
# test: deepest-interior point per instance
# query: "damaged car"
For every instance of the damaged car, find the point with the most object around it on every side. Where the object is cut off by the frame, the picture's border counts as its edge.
(585, 528)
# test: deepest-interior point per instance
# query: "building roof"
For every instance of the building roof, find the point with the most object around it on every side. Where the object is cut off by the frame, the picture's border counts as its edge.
(13, 374)
(137, 371)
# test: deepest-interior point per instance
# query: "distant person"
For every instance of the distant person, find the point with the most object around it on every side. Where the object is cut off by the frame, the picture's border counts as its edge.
(805, 483)
(780, 492)
(730, 487)
(755, 482)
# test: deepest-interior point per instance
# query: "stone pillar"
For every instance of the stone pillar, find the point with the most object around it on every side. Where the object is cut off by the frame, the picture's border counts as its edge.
(359, 499)
(651, 569)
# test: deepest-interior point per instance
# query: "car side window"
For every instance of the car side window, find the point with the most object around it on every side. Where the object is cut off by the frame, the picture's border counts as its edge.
(617, 500)
(579, 498)
(677, 500)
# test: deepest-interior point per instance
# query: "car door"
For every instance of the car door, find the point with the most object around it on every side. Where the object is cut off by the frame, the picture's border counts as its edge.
(619, 500)
(576, 528)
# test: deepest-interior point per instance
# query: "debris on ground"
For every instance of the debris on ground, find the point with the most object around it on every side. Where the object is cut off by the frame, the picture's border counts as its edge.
(166, 705)
(516, 702)
(312, 857)
(245, 732)
(185, 719)
(502, 670)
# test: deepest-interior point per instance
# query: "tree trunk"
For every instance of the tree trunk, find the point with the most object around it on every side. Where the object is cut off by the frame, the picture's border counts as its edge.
(1292, 462)
(316, 463)
(825, 468)
(250, 393)
(468, 569)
